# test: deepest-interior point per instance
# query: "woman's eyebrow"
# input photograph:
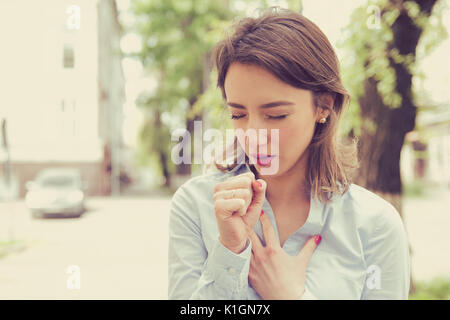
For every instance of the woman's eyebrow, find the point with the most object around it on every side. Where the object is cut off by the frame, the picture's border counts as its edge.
(263, 106)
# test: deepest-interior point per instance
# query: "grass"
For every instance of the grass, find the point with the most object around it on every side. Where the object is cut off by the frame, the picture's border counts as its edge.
(436, 289)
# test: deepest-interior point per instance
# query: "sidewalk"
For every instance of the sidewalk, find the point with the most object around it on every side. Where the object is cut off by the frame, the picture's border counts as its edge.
(120, 247)
(121, 244)
(427, 222)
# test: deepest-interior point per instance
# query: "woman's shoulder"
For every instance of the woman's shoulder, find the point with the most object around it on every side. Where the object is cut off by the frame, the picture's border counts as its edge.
(371, 211)
(365, 197)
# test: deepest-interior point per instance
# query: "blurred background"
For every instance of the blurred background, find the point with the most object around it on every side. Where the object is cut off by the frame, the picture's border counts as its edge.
(91, 91)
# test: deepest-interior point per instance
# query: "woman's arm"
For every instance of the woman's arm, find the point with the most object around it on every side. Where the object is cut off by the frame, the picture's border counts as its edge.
(193, 274)
(387, 259)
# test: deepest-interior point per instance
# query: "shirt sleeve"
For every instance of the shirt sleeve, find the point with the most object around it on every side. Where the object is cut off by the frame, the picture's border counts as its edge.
(195, 274)
(387, 259)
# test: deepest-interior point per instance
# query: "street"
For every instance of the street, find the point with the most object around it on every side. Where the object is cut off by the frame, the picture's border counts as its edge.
(118, 249)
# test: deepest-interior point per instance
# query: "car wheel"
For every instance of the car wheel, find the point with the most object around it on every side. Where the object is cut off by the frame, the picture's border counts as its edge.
(79, 214)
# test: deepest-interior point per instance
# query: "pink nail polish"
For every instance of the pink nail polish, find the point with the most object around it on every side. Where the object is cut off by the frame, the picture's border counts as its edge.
(262, 212)
(318, 239)
(259, 184)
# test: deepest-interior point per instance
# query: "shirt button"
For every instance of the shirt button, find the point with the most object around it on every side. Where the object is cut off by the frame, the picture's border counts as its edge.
(232, 271)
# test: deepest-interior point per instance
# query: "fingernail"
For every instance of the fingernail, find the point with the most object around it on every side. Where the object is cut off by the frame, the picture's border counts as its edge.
(318, 239)
(259, 184)
(262, 212)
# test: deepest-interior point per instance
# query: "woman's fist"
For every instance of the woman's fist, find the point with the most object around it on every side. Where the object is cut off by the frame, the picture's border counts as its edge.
(237, 204)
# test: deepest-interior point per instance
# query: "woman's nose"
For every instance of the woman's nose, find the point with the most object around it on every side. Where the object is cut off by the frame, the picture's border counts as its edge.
(258, 141)
(258, 135)
(257, 123)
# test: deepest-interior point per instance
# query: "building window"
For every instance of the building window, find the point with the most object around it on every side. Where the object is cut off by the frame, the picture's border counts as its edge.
(68, 56)
(68, 118)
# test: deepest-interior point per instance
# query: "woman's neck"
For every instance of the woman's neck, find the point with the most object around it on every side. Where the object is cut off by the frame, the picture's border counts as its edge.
(288, 187)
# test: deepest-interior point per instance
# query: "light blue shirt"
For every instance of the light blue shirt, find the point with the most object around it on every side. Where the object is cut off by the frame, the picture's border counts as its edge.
(363, 254)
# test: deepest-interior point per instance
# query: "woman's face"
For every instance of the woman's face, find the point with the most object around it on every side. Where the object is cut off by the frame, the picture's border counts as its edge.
(258, 100)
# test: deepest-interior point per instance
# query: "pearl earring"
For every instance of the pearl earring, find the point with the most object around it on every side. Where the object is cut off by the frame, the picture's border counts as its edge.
(323, 120)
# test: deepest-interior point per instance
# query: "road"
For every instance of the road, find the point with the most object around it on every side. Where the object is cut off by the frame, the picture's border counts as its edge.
(119, 246)
(119, 249)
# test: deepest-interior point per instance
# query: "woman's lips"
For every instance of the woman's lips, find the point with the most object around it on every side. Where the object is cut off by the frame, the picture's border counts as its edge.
(263, 160)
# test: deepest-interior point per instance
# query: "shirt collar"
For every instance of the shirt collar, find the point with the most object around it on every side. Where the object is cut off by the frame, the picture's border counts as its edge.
(240, 169)
(316, 216)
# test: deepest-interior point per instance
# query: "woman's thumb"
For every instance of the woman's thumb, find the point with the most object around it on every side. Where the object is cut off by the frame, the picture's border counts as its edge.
(259, 195)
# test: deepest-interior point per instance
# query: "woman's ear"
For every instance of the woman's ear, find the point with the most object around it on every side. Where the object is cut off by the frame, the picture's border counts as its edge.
(325, 104)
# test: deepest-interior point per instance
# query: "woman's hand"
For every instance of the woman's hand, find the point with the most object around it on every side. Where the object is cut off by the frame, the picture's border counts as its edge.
(274, 274)
(237, 205)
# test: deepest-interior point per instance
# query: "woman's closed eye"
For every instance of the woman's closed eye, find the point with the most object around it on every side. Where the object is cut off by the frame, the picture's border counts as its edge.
(236, 117)
(277, 117)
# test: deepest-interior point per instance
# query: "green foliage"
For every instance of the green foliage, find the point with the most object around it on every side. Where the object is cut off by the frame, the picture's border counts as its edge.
(367, 42)
(211, 101)
(436, 289)
(177, 37)
(434, 30)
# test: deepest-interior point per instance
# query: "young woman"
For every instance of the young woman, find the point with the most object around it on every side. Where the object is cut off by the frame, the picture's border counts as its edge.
(305, 231)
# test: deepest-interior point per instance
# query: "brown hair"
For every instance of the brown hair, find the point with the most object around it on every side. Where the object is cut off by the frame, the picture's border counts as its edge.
(297, 52)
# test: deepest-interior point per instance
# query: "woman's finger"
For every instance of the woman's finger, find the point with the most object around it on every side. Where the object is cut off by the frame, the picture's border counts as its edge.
(256, 243)
(225, 208)
(308, 249)
(244, 194)
(249, 174)
(269, 232)
(257, 201)
(253, 267)
(241, 181)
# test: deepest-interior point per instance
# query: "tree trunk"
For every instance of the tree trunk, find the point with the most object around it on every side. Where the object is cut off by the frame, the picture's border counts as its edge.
(165, 170)
(162, 152)
(186, 168)
(384, 128)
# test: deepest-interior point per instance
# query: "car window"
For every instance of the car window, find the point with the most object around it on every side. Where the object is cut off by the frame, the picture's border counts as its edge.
(57, 181)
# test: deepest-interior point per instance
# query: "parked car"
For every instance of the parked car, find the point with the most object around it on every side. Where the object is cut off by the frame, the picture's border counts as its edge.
(56, 192)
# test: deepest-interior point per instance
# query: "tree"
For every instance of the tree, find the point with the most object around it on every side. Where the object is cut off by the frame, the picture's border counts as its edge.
(379, 70)
(177, 37)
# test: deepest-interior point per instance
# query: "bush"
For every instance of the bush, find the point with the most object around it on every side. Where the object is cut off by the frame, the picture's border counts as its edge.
(436, 289)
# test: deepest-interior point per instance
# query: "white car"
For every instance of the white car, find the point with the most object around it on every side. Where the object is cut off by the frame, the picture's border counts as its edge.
(56, 192)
